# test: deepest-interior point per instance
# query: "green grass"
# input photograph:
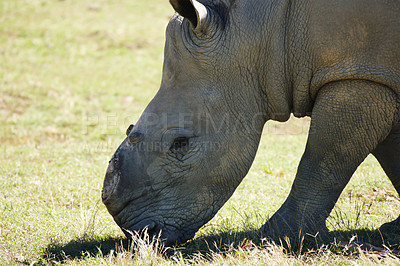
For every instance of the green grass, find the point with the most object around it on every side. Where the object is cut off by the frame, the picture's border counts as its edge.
(73, 76)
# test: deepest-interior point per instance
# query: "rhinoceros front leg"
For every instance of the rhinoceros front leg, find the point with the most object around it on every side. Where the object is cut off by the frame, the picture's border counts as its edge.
(349, 119)
(388, 155)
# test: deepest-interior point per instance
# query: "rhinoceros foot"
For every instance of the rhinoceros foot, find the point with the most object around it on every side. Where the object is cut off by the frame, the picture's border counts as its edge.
(392, 227)
(285, 223)
(391, 231)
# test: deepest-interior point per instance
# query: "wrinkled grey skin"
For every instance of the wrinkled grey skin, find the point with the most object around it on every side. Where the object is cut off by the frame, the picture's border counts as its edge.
(230, 66)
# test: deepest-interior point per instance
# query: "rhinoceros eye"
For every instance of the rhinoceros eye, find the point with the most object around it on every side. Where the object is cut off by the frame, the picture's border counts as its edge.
(180, 143)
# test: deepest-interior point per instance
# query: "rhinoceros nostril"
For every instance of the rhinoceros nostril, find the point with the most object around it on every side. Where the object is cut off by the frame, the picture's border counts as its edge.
(128, 131)
(135, 137)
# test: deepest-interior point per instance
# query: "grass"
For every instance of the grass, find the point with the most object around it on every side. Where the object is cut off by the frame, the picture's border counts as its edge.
(73, 76)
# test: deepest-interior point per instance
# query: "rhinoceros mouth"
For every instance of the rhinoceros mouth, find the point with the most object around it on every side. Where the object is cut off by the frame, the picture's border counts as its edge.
(140, 229)
(168, 235)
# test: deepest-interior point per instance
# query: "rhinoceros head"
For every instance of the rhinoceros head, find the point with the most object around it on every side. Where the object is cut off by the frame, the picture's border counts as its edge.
(196, 139)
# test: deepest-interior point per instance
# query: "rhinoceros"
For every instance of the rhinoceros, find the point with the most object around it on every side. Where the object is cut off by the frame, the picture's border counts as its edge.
(231, 65)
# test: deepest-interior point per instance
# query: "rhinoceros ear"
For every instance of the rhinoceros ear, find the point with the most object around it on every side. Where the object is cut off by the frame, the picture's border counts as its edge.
(192, 10)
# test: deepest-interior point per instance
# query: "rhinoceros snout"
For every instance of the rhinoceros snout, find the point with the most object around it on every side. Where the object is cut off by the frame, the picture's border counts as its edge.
(111, 185)
(122, 182)
(111, 179)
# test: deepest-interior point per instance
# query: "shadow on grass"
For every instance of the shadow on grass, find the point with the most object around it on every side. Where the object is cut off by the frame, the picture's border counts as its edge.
(225, 241)
(206, 245)
(79, 248)
(374, 237)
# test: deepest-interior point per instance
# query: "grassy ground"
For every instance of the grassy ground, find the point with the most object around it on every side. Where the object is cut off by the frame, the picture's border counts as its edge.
(73, 76)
